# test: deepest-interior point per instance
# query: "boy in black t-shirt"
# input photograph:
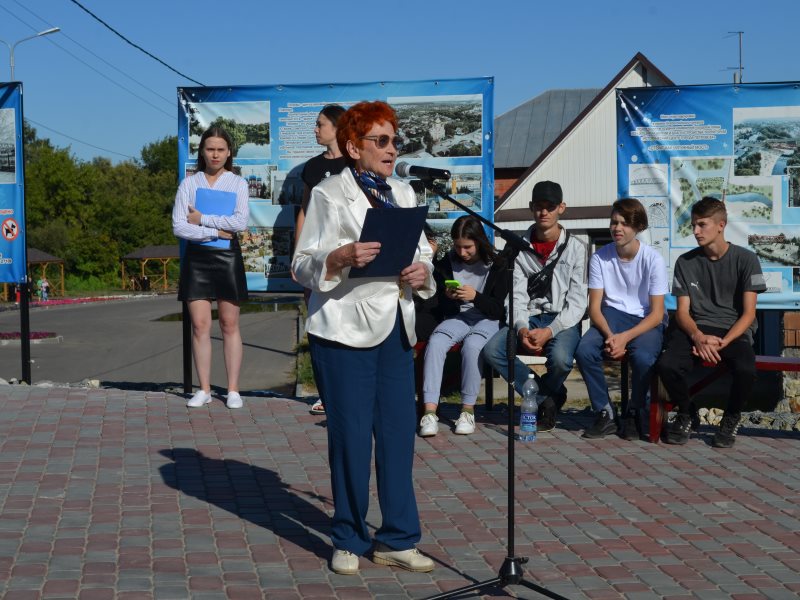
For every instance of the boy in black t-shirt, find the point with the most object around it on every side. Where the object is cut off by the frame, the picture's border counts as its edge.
(716, 287)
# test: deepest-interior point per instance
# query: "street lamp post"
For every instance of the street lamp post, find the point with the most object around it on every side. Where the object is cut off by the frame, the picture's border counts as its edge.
(24, 314)
(14, 45)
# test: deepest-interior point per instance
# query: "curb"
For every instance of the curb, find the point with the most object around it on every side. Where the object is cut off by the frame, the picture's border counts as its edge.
(53, 340)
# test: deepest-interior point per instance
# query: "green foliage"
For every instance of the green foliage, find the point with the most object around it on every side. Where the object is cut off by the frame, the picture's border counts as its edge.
(241, 133)
(93, 213)
(305, 373)
(162, 156)
(749, 164)
(463, 149)
(78, 285)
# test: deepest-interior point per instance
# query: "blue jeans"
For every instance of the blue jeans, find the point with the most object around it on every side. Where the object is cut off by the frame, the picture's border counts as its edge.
(559, 353)
(642, 353)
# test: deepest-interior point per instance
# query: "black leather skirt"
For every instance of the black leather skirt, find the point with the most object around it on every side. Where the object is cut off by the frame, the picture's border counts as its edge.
(212, 274)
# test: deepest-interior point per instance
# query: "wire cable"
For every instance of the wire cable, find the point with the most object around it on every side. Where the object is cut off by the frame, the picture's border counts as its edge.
(69, 137)
(107, 26)
(97, 56)
(103, 75)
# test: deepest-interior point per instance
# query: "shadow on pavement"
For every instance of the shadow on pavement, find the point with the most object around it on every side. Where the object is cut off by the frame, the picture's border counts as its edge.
(173, 387)
(252, 493)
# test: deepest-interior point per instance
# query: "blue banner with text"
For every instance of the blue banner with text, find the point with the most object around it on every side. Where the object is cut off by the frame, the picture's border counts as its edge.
(739, 143)
(13, 255)
(444, 124)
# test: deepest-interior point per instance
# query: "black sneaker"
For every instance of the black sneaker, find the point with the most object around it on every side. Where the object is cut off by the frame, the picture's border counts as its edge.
(726, 434)
(603, 425)
(632, 426)
(546, 417)
(678, 429)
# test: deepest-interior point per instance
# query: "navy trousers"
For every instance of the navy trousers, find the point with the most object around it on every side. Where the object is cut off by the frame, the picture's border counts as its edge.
(369, 393)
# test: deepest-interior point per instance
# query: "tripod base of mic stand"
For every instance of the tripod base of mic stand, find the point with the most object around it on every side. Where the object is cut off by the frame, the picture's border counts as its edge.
(510, 574)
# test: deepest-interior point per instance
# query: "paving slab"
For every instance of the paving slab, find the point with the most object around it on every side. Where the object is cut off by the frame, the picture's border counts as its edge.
(125, 493)
(122, 492)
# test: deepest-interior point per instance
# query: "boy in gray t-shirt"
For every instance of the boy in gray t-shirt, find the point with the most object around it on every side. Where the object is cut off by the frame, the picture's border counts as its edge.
(716, 287)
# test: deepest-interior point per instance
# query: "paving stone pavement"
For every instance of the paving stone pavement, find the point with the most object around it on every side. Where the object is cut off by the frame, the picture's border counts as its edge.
(108, 493)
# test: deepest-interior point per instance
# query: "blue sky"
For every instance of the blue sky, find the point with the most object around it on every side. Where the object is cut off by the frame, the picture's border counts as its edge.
(74, 80)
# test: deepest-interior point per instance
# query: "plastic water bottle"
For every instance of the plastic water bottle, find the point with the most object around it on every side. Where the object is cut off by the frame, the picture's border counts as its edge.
(528, 410)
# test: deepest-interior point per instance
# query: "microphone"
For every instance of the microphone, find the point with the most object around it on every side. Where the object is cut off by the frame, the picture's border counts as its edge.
(403, 169)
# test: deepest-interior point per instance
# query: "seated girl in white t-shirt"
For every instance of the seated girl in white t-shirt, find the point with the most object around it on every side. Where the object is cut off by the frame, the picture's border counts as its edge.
(627, 285)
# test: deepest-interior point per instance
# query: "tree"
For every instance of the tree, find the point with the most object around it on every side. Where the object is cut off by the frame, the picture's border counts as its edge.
(92, 213)
(162, 156)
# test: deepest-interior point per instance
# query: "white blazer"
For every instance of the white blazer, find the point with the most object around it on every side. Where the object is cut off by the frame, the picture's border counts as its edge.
(360, 312)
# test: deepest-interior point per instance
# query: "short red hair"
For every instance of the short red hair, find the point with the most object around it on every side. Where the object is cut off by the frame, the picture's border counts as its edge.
(357, 122)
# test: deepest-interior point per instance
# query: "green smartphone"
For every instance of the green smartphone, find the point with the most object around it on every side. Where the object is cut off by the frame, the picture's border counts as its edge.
(452, 283)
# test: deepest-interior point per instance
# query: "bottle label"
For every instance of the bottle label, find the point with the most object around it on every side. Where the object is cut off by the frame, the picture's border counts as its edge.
(527, 421)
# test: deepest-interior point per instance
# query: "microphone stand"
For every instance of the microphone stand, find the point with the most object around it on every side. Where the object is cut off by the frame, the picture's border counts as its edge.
(511, 570)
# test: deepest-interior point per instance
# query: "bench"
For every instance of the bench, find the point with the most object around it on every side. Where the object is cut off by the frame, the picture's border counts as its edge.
(624, 381)
(660, 404)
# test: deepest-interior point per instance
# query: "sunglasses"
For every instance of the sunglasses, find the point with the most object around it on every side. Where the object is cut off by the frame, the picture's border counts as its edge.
(381, 141)
(537, 207)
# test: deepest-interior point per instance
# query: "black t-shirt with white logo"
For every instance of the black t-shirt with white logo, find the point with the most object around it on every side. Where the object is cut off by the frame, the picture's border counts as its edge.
(716, 287)
(319, 168)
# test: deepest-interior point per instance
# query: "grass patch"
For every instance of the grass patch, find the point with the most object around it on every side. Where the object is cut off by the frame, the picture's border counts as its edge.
(305, 374)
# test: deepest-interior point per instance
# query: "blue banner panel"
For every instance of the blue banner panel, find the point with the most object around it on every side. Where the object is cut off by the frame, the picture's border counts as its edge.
(739, 143)
(13, 255)
(446, 124)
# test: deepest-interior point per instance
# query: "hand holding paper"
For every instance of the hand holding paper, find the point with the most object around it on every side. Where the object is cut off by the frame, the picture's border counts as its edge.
(398, 230)
(354, 254)
(414, 275)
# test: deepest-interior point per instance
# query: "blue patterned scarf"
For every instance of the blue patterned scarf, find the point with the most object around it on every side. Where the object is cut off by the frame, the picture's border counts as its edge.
(375, 186)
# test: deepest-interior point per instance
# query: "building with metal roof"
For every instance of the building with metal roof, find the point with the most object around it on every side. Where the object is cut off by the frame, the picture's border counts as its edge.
(523, 133)
(567, 136)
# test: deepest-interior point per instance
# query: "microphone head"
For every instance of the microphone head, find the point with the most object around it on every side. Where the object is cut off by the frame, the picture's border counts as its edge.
(403, 169)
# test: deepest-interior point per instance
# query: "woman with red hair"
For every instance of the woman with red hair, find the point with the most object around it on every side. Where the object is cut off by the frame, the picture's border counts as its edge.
(361, 332)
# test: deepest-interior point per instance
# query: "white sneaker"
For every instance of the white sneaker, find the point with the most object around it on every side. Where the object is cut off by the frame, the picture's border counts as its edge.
(465, 424)
(429, 425)
(344, 562)
(410, 560)
(234, 400)
(200, 398)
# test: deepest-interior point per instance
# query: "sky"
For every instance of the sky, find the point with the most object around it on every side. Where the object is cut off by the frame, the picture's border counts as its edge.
(88, 90)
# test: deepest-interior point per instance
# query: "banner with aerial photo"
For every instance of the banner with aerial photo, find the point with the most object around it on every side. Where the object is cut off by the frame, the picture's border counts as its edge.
(12, 192)
(739, 143)
(446, 124)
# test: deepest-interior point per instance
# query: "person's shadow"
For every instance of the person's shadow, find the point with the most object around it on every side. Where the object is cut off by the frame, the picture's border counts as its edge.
(252, 493)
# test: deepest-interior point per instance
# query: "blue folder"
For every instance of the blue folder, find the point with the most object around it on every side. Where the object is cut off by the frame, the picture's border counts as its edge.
(398, 230)
(215, 202)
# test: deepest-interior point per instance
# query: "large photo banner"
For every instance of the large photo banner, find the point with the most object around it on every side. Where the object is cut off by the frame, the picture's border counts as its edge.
(738, 143)
(446, 124)
(13, 254)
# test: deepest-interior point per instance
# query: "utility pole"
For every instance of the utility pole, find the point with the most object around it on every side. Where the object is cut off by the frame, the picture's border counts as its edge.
(740, 68)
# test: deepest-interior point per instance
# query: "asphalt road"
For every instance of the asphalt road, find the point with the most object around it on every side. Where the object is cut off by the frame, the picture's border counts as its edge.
(126, 344)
